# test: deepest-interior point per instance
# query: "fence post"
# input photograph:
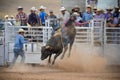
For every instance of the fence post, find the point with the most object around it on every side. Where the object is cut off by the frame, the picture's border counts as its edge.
(6, 55)
(92, 33)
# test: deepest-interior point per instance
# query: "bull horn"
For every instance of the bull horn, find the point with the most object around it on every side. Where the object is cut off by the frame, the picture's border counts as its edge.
(47, 47)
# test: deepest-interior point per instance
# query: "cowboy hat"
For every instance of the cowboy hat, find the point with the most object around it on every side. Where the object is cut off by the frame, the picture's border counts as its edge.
(95, 8)
(6, 16)
(76, 6)
(42, 7)
(62, 9)
(109, 8)
(98, 9)
(33, 9)
(21, 30)
(20, 7)
(88, 6)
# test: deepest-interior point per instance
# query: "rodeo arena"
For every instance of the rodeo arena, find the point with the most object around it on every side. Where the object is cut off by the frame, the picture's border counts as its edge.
(70, 45)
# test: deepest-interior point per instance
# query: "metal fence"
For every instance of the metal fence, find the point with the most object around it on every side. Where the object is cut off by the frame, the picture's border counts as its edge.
(97, 35)
(2, 61)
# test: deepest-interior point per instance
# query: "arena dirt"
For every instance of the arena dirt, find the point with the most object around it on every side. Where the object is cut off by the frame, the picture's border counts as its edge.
(82, 61)
(80, 66)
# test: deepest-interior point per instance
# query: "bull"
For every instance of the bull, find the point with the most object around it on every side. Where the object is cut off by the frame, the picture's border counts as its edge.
(53, 46)
(60, 40)
(68, 35)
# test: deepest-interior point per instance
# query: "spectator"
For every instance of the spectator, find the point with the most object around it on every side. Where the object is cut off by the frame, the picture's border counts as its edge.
(33, 18)
(116, 15)
(109, 14)
(42, 15)
(118, 25)
(12, 20)
(53, 21)
(21, 17)
(99, 14)
(51, 15)
(113, 19)
(6, 17)
(116, 12)
(94, 11)
(76, 9)
(117, 32)
(64, 15)
(87, 16)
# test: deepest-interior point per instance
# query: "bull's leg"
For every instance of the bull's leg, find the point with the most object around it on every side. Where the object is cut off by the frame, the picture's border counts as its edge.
(65, 49)
(70, 48)
(49, 60)
(56, 57)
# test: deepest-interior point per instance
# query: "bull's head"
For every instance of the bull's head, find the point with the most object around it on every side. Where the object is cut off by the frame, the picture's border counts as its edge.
(45, 52)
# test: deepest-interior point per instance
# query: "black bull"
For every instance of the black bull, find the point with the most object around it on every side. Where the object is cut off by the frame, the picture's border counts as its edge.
(58, 42)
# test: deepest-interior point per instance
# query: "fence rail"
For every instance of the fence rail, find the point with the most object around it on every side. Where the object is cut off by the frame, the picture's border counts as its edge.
(97, 35)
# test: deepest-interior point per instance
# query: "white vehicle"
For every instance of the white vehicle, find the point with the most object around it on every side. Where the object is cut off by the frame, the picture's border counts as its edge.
(2, 25)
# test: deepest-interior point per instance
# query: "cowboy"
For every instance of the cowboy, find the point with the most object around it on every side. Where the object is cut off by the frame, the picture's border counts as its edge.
(42, 14)
(64, 15)
(33, 18)
(54, 23)
(94, 11)
(6, 17)
(12, 20)
(99, 14)
(52, 15)
(21, 16)
(77, 9)
(116, 15)
(109, 14)
(87, 16)
(18, 47)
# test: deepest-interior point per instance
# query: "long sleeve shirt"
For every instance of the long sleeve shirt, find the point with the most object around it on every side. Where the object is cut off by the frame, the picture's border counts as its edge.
(22, 17)
(101, 16)
(33, 19)
(64, 17)
(19, 41)
(87, 16)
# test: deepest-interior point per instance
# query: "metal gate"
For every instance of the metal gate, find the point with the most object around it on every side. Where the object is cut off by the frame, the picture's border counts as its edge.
(112, 44)
(39, 36)
(2, 48)
(94, 38)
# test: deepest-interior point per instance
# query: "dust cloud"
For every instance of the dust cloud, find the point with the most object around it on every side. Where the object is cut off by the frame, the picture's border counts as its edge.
(20, 68)
(82, 60)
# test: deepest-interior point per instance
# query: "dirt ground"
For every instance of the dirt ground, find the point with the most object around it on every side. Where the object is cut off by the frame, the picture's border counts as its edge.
(53, 73)
(81, 65)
